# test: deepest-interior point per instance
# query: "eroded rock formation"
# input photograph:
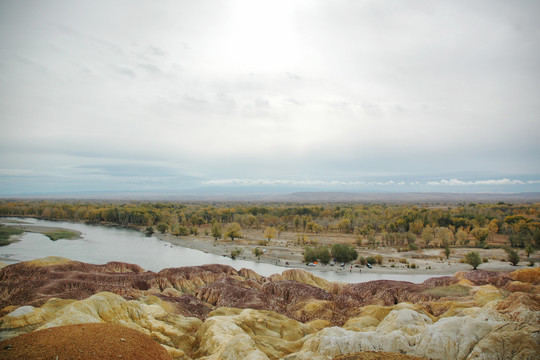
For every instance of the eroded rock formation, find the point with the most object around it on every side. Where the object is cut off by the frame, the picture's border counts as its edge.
(217, 312)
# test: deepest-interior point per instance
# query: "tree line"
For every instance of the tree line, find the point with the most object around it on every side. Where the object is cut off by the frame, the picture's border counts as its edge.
(404, 225)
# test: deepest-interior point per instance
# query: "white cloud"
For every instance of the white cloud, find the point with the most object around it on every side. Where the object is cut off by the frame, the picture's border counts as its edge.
(254, 182)
(457, 182)
(336, 183)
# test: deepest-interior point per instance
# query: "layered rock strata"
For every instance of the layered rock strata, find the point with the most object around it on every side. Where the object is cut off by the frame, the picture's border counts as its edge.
(217, 312)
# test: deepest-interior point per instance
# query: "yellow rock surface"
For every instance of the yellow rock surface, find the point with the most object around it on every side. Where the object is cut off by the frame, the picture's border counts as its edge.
(308, 278)
(369, 317)
(314, 309)
(486, 293)
(254, 334)
(531, 275)
(319, 324)
(49, 261)
(149, 315)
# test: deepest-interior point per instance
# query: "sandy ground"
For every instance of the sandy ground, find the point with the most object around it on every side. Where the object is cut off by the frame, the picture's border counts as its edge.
(283, 251)
(83, 342)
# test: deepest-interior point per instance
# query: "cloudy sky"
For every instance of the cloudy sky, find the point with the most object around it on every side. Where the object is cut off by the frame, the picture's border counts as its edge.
(270, 95)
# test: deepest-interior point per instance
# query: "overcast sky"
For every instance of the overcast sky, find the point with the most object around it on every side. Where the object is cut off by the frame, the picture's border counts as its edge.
(288, 95)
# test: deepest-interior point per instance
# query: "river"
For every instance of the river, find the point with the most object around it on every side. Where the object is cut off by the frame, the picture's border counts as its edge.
(100, 244)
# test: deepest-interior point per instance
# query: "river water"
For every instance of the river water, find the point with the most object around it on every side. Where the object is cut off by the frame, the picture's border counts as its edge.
(100, 244)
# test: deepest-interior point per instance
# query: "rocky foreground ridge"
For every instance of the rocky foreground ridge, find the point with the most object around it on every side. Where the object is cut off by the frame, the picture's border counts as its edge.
(217, 312)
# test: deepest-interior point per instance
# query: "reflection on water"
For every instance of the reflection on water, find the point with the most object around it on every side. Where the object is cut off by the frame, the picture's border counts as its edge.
(101, 244)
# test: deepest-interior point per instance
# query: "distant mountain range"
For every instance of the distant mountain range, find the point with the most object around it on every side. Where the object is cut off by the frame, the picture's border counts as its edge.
(295, 197)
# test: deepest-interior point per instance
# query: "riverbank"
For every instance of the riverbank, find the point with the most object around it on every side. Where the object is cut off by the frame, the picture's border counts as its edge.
(282, 252)
(52, 232)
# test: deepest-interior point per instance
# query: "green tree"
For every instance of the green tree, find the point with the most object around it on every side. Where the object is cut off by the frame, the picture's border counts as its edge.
(323, 254)
(257, 252)
(529, 249)
(149, 230)
(344, 252)
(216, 231)
(320, 253)
(536, 238)
(233, 231)
(183, 231)
(447, 251)
(310, 254)
(474, 259)
(162, 227)
(513, 256)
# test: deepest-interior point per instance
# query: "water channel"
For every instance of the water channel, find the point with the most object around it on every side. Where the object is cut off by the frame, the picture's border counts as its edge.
(100, 244)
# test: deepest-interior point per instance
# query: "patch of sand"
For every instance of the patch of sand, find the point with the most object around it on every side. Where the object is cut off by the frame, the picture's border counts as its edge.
(83, 342)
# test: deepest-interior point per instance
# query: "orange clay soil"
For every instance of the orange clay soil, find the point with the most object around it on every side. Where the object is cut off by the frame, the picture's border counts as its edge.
(83, 342)
(377, 355)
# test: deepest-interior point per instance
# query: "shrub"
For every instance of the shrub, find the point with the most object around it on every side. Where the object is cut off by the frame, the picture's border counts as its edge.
(323, 254)
(236, 252)
(183, 231)
(370, 259)
(320, 253)
(447, 251)
(474, 259)
(379, 259)
(344, 252)
(162, 227)
(257, 252)
(149, 230)
(362, 260)
(513, 256)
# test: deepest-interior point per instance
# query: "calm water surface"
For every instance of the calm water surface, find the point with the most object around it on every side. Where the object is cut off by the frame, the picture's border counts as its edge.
(101, 244)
